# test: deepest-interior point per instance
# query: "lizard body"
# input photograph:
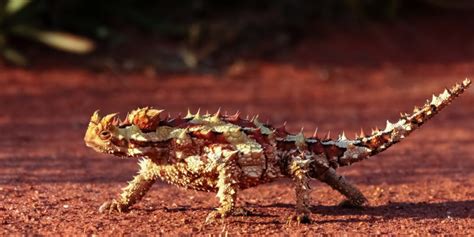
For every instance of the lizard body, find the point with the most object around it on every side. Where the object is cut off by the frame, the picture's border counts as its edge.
(225, 153)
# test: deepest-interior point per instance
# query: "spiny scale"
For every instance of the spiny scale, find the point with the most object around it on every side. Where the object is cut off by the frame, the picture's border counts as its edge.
(315, 134)
(328, 135)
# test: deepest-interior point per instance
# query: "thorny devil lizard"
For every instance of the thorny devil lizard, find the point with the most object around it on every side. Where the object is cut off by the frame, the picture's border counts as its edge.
(225, 153)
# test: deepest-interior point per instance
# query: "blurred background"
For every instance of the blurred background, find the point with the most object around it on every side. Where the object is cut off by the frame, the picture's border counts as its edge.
(257, 57)
(203, 34)
(337, 65)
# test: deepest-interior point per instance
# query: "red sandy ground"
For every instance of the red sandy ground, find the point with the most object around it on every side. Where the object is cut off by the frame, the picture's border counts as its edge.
(51, 183)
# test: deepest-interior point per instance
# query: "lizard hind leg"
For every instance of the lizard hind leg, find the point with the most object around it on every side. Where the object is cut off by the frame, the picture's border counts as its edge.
(354, 196)
(298, 170)
(227, 187)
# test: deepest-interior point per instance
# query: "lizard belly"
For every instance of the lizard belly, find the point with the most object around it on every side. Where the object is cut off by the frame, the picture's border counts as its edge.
(257, 169)
(193, 173)
(181, 174)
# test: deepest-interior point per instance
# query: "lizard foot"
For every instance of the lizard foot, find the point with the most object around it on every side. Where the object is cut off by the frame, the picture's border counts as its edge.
(300, 218)
(217, 214)
(353, 203)
(112, 206)
(240, 211)
(213, 216)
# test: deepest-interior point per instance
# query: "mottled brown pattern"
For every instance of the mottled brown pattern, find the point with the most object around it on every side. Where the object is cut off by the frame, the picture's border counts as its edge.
(225, 154)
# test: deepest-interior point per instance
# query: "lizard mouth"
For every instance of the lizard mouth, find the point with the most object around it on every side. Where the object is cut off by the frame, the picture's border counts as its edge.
(115, 152)
(100, 149)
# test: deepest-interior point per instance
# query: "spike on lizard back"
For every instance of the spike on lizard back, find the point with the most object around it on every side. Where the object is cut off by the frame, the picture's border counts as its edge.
(225, 153)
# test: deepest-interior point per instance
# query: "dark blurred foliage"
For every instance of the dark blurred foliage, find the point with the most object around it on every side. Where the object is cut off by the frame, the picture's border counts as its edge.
(175, 19)
(18, 19)
(203, 28)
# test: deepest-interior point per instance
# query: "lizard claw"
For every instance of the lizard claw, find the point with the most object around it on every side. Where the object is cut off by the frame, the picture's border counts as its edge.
(212, 217)
(300, 218)
(222, 214)
(112, 206)
(240, 211)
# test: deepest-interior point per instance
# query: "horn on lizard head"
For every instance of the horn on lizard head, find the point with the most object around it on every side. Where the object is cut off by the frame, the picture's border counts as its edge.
(95, 118)
(110, 120)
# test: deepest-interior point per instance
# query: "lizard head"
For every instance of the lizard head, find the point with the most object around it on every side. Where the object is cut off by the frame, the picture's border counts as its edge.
(101, 133)
(124, 139)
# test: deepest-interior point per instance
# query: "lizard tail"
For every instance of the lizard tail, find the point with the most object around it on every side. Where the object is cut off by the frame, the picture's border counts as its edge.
(351, 151)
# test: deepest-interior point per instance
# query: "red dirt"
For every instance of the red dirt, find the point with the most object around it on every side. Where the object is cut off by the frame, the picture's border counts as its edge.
(51, 183)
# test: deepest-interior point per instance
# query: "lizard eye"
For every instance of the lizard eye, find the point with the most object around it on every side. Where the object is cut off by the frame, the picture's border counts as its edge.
(104, 135)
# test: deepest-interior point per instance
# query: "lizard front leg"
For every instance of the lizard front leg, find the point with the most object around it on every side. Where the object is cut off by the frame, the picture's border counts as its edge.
(134, 191)
(227, 187)
(354, 196)
(298, 169)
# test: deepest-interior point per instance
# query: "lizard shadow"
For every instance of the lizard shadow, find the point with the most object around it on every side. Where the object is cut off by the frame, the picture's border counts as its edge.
(184, 208)
(420, 210)
(392, 210)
